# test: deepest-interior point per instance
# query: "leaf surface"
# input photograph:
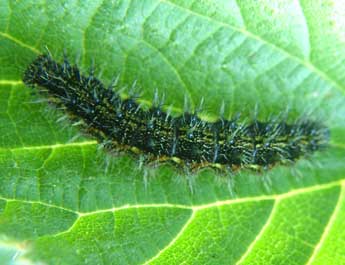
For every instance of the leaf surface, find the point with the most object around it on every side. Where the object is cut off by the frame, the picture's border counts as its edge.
(61, 204)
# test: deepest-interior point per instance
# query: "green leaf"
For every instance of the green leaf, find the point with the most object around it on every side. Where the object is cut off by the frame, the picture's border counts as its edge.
(61, 204)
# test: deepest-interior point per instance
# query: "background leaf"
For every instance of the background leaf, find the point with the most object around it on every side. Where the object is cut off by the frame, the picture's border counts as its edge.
(58, 204)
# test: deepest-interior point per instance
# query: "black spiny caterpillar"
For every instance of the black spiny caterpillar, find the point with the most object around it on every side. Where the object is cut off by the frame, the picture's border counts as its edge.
(187, 140)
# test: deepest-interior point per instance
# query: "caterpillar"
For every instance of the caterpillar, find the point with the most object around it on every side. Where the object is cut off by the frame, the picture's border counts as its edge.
(185, 140)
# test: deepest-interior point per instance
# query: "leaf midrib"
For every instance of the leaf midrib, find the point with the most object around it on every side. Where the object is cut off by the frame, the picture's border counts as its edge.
(194, 209)
(275, 197)
(261, 232)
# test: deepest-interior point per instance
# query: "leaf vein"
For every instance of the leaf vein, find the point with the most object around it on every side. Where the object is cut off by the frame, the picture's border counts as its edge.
(172, 242)
(19, 42)
(329, 224)
(260, 234)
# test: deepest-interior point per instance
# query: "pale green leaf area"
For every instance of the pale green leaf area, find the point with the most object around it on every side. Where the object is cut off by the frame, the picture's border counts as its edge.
(63, 201)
